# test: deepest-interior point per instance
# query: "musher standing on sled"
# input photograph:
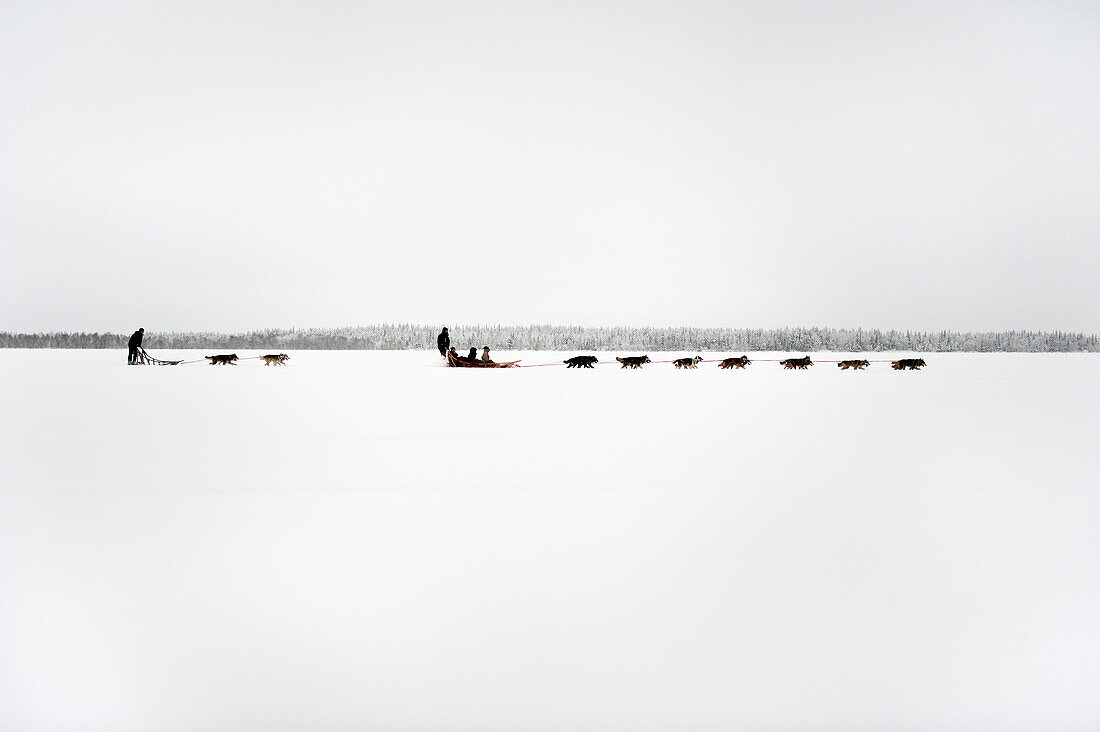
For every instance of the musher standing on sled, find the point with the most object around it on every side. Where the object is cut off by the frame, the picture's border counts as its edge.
(444, 342)
(134, 344)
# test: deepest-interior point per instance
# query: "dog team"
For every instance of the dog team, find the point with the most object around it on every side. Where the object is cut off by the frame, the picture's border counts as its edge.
(740, 362)
(230, 359)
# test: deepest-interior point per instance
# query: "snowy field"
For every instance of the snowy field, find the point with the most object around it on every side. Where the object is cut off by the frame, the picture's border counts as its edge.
(369, 541)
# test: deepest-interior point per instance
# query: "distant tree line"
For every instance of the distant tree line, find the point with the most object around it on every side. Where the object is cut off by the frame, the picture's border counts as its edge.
(406, 336)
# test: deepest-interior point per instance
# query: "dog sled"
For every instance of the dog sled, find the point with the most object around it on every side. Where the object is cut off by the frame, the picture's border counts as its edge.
(144, 359)
(472, 363)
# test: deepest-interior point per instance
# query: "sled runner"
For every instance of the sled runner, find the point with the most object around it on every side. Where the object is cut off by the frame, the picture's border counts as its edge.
(453, 360)
(146, 360)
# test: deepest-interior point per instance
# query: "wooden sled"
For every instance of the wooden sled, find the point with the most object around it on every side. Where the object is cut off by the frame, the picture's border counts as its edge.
(145, 359)
(475, 364)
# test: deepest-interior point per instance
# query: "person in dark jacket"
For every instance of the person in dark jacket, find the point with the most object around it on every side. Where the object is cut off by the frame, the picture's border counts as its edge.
(444, 342)
(473, 354)
(134, 344)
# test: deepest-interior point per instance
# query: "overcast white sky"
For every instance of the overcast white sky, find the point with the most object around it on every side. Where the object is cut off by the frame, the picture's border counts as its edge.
(228, 165)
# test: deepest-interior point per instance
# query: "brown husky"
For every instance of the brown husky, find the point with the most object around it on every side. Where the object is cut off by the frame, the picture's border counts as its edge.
(730, 363)
(275, 358)
(858, 365)
(797, 363)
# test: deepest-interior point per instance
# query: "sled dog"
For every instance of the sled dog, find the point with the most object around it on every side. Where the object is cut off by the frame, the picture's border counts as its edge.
(797, 363)
(730, 363)
(633, 362)
(913, 364)
(687, 363)
(227, 359)
(858, 365)
(580, 362)
(275, 358)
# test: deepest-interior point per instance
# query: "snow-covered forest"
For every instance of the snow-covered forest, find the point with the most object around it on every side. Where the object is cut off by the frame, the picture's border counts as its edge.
(404, 336)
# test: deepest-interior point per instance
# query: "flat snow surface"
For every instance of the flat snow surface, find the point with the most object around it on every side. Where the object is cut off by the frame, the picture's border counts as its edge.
(369, 541)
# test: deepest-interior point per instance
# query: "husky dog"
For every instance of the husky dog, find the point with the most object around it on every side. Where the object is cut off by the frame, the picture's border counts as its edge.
(913, 364)
(580, 362)
(633, 362)
(858, 365)
(275, 358)
(228, 359)
(730, 363)
(797, 363)
(687, 363)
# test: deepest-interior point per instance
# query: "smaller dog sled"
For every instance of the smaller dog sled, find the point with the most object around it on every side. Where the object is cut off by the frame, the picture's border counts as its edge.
(460, 361)
(144, 359)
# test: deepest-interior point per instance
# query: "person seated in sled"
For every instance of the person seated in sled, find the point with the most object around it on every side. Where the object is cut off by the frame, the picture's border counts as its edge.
(134, 344)
(473, 354)
(485, 355)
